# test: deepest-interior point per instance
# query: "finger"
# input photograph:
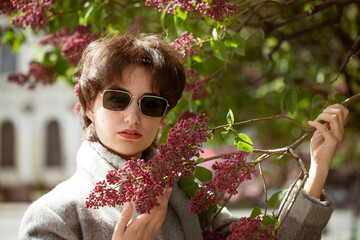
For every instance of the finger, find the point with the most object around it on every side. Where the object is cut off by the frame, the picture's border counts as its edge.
(334, 124)
(339, 110)
(343, 109)
(164, 198)
(158, 214)
(124, 220)
(325, 132)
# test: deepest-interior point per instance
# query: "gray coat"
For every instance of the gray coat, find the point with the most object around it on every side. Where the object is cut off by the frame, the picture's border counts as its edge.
(61, 214)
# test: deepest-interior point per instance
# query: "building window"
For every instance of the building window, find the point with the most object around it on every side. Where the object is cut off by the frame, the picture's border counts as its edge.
(7, 145)
(53, 146)
(8, 60)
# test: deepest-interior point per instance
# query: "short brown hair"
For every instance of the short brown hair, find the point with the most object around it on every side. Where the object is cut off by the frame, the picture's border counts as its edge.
(104, 61)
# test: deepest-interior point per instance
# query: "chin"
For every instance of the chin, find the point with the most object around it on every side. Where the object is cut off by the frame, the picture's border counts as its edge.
(128, 154)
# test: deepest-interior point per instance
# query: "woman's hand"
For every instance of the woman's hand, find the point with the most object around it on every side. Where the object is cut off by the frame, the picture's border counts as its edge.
(323, 145)
(145, 226)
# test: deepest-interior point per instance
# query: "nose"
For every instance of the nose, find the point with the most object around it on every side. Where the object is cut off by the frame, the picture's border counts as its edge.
(132, 113)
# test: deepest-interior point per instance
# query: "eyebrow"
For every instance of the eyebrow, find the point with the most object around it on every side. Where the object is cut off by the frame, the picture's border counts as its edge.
(123, 89)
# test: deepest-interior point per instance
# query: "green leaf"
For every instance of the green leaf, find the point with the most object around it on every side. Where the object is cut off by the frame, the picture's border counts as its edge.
(224, 133)
(197, 58)
(61, 66)
(188, 185)
(282, 100)
(220, 50)
(97, 18)
(288, 98)
(230, 117)
(275, 200)
(204, 215)
(163, 16)
(288, 79)
(87, 15)
(241, 45)
(244, 143)
(203, 174)
(337, 99)
(255, 212)
(180, 14)
(49, 58)
(269, 220)
(317, 100)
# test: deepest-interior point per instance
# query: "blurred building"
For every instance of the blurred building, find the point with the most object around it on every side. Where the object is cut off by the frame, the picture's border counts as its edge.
(39, 132)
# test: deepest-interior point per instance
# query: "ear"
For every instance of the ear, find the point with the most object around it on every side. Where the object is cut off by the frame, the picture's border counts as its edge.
(89, 112)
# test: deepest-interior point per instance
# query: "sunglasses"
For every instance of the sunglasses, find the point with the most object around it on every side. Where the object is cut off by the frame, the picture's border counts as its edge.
(151, 106)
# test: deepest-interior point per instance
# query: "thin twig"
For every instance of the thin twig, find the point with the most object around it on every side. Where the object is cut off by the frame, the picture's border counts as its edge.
(265, 187)
(311, 11)
(302, 166)
(289, 193)
(354, 48)
(261, 119)
(221, 208)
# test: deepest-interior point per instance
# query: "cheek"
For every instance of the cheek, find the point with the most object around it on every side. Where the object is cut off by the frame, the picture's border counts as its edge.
(153, 127)
(104, 122)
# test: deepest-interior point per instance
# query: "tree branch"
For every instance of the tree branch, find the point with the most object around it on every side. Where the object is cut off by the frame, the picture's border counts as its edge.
(261, 119)
(311, 11)
(353, 51)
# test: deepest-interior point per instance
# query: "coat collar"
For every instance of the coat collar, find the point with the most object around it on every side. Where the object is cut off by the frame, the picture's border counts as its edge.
(97, 160)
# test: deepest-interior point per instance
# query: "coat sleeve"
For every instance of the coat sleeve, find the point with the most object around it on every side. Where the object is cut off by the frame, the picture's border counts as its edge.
(223, 220)
(307, 218)
(41, 222)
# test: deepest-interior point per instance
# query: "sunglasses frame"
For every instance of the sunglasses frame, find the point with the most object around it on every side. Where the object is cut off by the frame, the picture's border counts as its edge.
(131, 98)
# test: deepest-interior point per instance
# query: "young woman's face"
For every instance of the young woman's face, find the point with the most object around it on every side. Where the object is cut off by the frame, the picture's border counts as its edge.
(127, 132)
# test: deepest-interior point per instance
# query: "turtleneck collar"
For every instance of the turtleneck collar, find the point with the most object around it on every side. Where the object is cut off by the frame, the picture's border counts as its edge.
(115, 160)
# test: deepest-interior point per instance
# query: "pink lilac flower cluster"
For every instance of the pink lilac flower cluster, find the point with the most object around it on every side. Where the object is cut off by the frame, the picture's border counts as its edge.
(195, 85)
(216, 9)
(142, 182)
(205, 197)
(232, 171)
(171, 5)
(185, 44)
(7, 7)
(72, 44)
(35, 12)
(135, 182)
(38, 74)
(77, 106)
(247, 228)
(213, 235)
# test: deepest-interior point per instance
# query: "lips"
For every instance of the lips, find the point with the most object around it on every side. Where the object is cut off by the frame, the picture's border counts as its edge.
(130, 134)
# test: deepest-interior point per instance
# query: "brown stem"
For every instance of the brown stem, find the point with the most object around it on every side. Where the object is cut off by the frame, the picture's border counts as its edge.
(353, 50)
(288, 194)
(311, 11)
(265, 187)
(284, 150)
(306, 175)
(220, 209)
(260, 119)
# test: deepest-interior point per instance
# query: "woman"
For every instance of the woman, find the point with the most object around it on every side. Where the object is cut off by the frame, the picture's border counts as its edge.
(127, 85)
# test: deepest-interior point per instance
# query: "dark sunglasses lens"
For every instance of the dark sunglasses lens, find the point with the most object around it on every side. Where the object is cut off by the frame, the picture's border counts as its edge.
(152, 106)
(116, 101)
